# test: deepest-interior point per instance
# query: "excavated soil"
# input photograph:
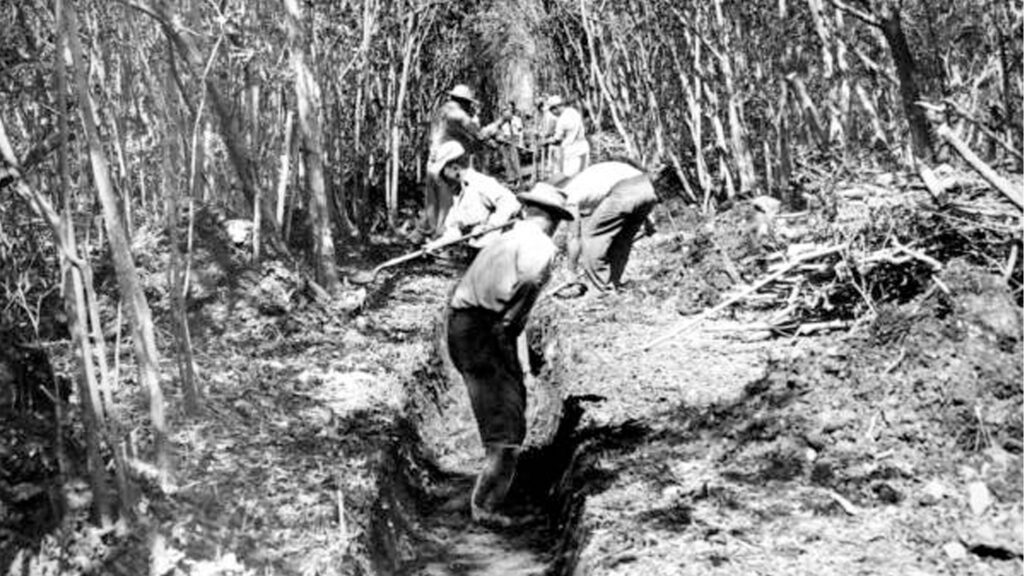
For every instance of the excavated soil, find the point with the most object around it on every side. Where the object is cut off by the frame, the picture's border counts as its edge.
(337, 440)
(891, 449)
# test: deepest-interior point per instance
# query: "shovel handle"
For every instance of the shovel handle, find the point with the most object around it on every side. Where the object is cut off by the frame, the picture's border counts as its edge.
(452, 242)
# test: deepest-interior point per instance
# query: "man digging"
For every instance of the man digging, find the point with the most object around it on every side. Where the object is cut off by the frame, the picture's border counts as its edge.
(486, 314)
(610, 202)
(456, 120)
(481, 201)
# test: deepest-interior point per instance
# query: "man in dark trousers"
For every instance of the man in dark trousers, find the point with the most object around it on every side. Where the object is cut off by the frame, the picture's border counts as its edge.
(486, 314)
(610, 202)
(456, 120)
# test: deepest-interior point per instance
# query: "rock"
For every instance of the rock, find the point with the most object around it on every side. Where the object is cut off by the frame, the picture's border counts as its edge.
(815, 440)
(932, 493)
(979, 497)
(955, 550)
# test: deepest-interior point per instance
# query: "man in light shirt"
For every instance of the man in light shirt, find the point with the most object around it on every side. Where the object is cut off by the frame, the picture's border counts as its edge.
(610, 202)
(511, 126)
(481, 201)
(456, 120)
(486, 314)
(570, 137)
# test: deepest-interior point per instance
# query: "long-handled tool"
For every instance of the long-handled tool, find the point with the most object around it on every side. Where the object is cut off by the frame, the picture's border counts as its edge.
(365, 277)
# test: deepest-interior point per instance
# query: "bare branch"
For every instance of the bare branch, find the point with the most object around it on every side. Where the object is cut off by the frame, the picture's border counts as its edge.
(857, 13)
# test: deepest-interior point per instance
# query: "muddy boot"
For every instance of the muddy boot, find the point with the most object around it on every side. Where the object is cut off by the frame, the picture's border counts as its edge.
(492, 486)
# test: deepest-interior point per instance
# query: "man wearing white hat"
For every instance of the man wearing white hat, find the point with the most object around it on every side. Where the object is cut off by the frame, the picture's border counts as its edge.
(486, 314)
(570, 136)
(456, 120)
(481, 201)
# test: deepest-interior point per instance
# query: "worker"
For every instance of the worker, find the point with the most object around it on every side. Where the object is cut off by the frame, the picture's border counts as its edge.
(456, 120)
(511, 131)
(487, 312)
(610, 203)
(543, 128)
(481, 201)
(570, 137)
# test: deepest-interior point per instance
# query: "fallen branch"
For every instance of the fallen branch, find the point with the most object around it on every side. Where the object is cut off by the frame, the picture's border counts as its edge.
(742, 295)
(847, 506)
(986, 171)
(959, 111)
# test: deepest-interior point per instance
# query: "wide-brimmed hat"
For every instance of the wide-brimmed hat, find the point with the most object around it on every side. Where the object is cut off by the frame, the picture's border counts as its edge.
(446, 152)
(463, 92)
(547, 197)
(555, 100)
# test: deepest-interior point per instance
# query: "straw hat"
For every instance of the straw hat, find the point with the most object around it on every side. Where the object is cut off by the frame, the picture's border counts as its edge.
(555, 100)
(549, 198)
(463, 92)
(446, 152)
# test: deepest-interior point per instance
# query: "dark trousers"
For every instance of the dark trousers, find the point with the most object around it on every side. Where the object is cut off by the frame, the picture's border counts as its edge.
(487, 360)
(607, 234)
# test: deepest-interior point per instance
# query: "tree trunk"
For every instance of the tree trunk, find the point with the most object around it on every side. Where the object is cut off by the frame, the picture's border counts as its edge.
(285, 168)
(128, 280)
(173, 133)
(603, 85)
(307, 96)
(737, 134)
(162, 12)
(892, 29)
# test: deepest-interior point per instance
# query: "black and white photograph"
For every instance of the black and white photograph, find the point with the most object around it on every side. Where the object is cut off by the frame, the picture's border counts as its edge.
(511, 287)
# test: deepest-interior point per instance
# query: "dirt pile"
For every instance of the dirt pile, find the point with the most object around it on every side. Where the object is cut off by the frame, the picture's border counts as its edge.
(892, 448)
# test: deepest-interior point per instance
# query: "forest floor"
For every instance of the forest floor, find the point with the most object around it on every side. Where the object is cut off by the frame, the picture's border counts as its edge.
(336, 439)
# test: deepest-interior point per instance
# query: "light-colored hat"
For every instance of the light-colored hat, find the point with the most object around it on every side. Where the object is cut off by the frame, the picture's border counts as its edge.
(463, 92)
(547, 197)
(555, 100)
(446, 152)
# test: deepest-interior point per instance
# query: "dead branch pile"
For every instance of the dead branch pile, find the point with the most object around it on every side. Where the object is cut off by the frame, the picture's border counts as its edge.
(883, 242)
(889, 243)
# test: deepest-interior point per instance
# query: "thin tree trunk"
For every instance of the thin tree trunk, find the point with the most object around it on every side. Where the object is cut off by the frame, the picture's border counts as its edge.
(878, 137)
(737, 137)
(141, 319)
(603, 84)
(162, 12)
(307, 96)
(174, 133)
(891, 25)
(283, 172)
(395, 158)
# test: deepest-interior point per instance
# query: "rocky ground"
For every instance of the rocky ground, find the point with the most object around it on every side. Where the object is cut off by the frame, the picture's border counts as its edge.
(336, 440)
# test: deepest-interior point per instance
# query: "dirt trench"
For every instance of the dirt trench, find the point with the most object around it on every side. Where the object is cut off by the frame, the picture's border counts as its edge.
(593, 402)
(725, 450)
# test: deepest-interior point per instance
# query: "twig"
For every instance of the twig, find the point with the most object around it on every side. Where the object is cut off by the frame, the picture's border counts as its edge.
(742, 295)
(1011, 263)
(895, 363)
(847, 506)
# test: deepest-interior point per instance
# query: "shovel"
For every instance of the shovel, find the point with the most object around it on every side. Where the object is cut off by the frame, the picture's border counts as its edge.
(364, 277)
